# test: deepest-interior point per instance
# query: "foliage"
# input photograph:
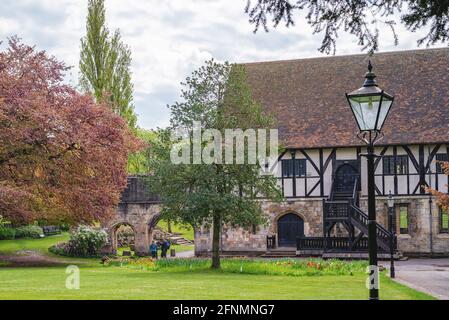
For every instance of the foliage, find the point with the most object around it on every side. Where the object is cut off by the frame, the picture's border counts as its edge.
(138, 163)
(4, 222)
(31, 232)
(55, 157)
(7, 233)
(220, 193)
(358, 17)
(105, 64)
(291, 267)
(442, 198)
(85, 241)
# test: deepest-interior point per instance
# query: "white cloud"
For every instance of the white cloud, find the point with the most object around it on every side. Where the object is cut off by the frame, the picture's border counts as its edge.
(169, 39)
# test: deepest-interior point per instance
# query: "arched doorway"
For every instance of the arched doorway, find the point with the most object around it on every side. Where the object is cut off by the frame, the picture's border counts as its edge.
(290, 226)
(345, 177)
(123, 237)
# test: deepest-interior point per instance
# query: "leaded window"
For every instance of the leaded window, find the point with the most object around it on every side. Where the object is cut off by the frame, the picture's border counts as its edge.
(395, 165)
(296, 167)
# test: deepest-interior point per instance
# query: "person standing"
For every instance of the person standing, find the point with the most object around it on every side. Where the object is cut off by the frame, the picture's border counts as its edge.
(164, 248)
(153, 250)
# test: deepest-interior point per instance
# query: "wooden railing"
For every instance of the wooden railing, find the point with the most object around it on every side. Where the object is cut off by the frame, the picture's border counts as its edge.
(310, 243)
(336, 244)
(336, 209)
(362, 218)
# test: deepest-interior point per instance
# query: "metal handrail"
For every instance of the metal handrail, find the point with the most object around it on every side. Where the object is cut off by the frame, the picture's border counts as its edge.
(354, 191)
(381, 231)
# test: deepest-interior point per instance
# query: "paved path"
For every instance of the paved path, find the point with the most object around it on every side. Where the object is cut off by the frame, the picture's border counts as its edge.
(426, 275)
(185, 254)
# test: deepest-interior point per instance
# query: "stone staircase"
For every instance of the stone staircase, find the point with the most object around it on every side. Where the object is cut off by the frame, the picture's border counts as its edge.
(174, 238)
(280, 253)
(180, 240)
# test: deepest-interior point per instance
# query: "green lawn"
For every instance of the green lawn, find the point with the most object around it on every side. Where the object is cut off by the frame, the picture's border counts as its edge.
(99, 282)
(123, 283)
(185, 231)
(41, 245)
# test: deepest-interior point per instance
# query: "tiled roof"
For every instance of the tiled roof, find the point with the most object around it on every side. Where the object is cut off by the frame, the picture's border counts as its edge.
(308, 96)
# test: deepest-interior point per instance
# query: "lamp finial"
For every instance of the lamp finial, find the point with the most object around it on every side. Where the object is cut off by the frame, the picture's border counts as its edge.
(370, 76)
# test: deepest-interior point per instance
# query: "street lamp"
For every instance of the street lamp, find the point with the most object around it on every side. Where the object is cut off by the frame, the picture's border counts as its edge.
(390, 203)
(370, 106)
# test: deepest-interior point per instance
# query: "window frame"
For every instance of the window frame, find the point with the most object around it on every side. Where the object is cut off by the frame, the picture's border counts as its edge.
(392, 163)
(399, 227)
(299, 170)
(443, 157)
(443, 212)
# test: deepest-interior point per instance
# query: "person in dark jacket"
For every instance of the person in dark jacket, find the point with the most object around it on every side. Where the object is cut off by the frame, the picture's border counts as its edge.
(164, 248)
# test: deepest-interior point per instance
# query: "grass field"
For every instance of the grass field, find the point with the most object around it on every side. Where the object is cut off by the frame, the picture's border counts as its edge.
(122, 283)
(184, 230)
(40, 245)
(100, 282)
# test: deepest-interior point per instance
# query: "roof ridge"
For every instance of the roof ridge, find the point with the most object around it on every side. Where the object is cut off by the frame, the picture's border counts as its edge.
(409, 51)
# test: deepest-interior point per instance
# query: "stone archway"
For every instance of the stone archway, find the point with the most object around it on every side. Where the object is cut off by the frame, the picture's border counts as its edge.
(138, 208)
(141, 218)
(113, 234)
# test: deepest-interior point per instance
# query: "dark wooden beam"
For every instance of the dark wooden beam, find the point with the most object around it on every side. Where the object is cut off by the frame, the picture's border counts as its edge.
(321, 173)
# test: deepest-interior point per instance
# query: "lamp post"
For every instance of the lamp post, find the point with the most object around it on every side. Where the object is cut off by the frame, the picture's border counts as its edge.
(390, 203)
(370, 106)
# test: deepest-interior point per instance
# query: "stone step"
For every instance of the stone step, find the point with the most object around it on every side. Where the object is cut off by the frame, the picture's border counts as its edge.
(357, 255)
(180, 240)
(279, 254)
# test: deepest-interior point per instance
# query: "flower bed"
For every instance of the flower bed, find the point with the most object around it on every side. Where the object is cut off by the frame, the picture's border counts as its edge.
(292, 267)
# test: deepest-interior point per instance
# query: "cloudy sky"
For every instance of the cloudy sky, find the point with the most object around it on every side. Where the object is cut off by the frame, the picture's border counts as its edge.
(169, 39)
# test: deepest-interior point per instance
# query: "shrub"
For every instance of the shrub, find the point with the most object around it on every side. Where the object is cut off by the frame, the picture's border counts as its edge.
(59, 249)
(32, 232)
(85, 241)
(4, 222)
(7, 233)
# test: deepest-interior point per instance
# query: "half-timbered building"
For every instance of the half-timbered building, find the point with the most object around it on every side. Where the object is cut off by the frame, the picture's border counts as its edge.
(321, 172)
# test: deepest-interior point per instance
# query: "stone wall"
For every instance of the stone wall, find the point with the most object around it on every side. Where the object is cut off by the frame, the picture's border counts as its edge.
(418, 242)
(421, 240)
(247, 242)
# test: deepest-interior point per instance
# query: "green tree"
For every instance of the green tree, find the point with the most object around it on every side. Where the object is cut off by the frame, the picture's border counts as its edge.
(105, 63)
(361, 18)
(222, 193)
(139, 162)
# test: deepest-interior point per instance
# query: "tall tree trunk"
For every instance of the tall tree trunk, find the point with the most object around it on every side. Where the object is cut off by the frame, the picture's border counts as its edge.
(169, 226)
(216, 241)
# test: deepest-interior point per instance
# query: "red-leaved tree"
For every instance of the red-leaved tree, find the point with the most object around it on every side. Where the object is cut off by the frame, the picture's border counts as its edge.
(62, 156)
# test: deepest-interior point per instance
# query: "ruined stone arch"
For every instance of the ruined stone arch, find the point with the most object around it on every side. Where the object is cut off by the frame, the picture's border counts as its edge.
(112, 231)
(141, 210)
